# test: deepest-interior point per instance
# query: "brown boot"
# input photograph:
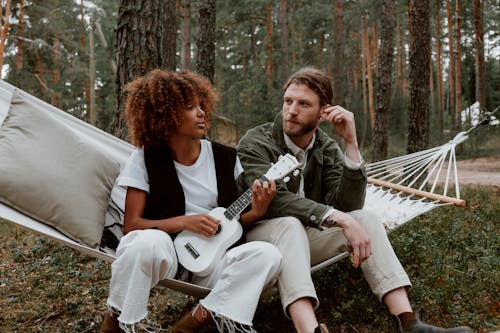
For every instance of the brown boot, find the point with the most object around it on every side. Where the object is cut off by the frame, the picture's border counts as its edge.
(110, 324)
(321, 329)
(187, 324)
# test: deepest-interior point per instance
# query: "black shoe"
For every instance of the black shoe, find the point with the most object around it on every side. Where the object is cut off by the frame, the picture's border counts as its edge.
(421, 327)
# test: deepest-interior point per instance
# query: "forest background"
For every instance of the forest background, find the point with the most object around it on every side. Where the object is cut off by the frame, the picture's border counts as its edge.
(75, 55)
(406, 69)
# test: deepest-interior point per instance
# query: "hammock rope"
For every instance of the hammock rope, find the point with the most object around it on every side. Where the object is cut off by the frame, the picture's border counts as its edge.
(406, 186)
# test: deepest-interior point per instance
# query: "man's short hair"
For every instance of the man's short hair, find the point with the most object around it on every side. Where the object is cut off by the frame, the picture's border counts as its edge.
(315, 80)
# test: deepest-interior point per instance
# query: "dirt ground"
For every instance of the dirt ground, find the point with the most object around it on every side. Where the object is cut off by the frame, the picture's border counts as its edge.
(479, 171)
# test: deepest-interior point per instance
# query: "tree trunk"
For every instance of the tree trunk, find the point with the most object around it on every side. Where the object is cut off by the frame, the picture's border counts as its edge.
(369, 75)
(356, 67)
(5, 30)
(420, 52)
(338, 55)
(185, 34)
(384, 89)
(169, 26)
(439, 68)
(269, 48)
(321, 47)
(399, 60)
(284, 50)
(458, 67)
(432, 99)
(92, 110)
(138, 48)
(479, 61)
(40, 71)
(366, 65)
(20, 32)
(374, 47)
(205, 59)
(404, 66)
(56, 72)
(451, 65)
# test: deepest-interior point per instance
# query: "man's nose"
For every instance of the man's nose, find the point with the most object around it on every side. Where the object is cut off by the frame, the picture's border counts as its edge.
(292, 109)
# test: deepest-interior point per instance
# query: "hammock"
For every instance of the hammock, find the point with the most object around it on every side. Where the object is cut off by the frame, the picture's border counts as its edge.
(399, 189)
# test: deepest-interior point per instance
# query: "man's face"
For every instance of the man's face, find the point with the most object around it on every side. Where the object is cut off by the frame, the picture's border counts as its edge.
(301, 110)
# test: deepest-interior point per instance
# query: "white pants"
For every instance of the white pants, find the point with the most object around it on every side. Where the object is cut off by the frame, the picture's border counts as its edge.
(145, 257)
(302, 247)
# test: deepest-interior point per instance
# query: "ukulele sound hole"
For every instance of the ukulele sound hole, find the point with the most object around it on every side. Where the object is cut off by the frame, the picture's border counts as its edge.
(219, 228)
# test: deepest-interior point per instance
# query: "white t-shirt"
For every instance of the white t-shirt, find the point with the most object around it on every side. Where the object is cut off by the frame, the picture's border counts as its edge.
(198, 181)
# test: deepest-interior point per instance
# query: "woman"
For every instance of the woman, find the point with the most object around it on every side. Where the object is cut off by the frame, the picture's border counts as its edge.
(173, 179)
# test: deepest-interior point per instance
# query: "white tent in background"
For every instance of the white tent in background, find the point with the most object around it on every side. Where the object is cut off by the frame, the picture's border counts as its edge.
(472, 116)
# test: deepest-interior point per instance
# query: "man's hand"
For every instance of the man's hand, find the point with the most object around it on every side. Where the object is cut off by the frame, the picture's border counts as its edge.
(357, 237)
(343, 122)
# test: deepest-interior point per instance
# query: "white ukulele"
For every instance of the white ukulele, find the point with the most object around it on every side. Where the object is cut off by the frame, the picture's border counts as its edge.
(199, 254)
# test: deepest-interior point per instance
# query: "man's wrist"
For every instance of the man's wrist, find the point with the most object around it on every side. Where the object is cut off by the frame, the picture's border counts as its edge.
(330, 220)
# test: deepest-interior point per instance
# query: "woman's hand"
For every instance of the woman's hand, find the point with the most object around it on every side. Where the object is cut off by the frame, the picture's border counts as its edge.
(202, 224)
(262, 195)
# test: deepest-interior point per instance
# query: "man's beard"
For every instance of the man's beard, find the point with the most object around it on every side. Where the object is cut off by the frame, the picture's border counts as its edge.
(303, 128)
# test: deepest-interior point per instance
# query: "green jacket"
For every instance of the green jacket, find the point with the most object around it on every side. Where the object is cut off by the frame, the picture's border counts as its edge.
(327, 181)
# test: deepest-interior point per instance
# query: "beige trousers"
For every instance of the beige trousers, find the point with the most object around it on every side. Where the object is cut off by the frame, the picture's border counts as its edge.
(303, 247)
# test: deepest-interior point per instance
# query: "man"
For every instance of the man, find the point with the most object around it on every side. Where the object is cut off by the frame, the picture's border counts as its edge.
(318, 215)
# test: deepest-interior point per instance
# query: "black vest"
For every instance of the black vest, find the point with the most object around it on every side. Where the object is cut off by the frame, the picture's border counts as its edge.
(166, 197)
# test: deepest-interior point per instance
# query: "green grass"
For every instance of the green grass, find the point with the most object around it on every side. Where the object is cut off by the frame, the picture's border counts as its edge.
(451, 254)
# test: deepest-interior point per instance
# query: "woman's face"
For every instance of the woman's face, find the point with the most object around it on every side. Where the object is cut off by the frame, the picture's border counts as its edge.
(193, 123)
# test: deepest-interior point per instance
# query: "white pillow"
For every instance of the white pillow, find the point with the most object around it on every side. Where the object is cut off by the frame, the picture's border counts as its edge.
(51, 174)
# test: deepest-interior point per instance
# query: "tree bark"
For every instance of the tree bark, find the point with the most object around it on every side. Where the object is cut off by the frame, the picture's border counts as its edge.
(169, 28)
(284, 50)
(185, 34)
(138, 48)
(338, 55)
(451, 65)
(20, 32)
(369, 70)
(420, 52)
(92, 110)
(56, 71)
(269, 48)
(439, 68)
(458, 67)
(431, 88)
(479, 61)
(399, 60)
(205, 59)
(5, 30)
(367, 88)
(384, 89)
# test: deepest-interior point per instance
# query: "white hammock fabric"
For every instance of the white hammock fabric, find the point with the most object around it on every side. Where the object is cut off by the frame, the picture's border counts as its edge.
(396, 188)
(399, 189)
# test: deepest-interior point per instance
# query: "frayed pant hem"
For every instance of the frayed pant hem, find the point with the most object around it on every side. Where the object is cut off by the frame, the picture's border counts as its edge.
(226, 324)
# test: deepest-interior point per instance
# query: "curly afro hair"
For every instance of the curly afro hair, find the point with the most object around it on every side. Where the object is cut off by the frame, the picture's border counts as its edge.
(156, 101)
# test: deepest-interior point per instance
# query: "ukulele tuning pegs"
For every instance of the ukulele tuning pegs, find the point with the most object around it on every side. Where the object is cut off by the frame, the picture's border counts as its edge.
(296, 172)
(286, 179)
